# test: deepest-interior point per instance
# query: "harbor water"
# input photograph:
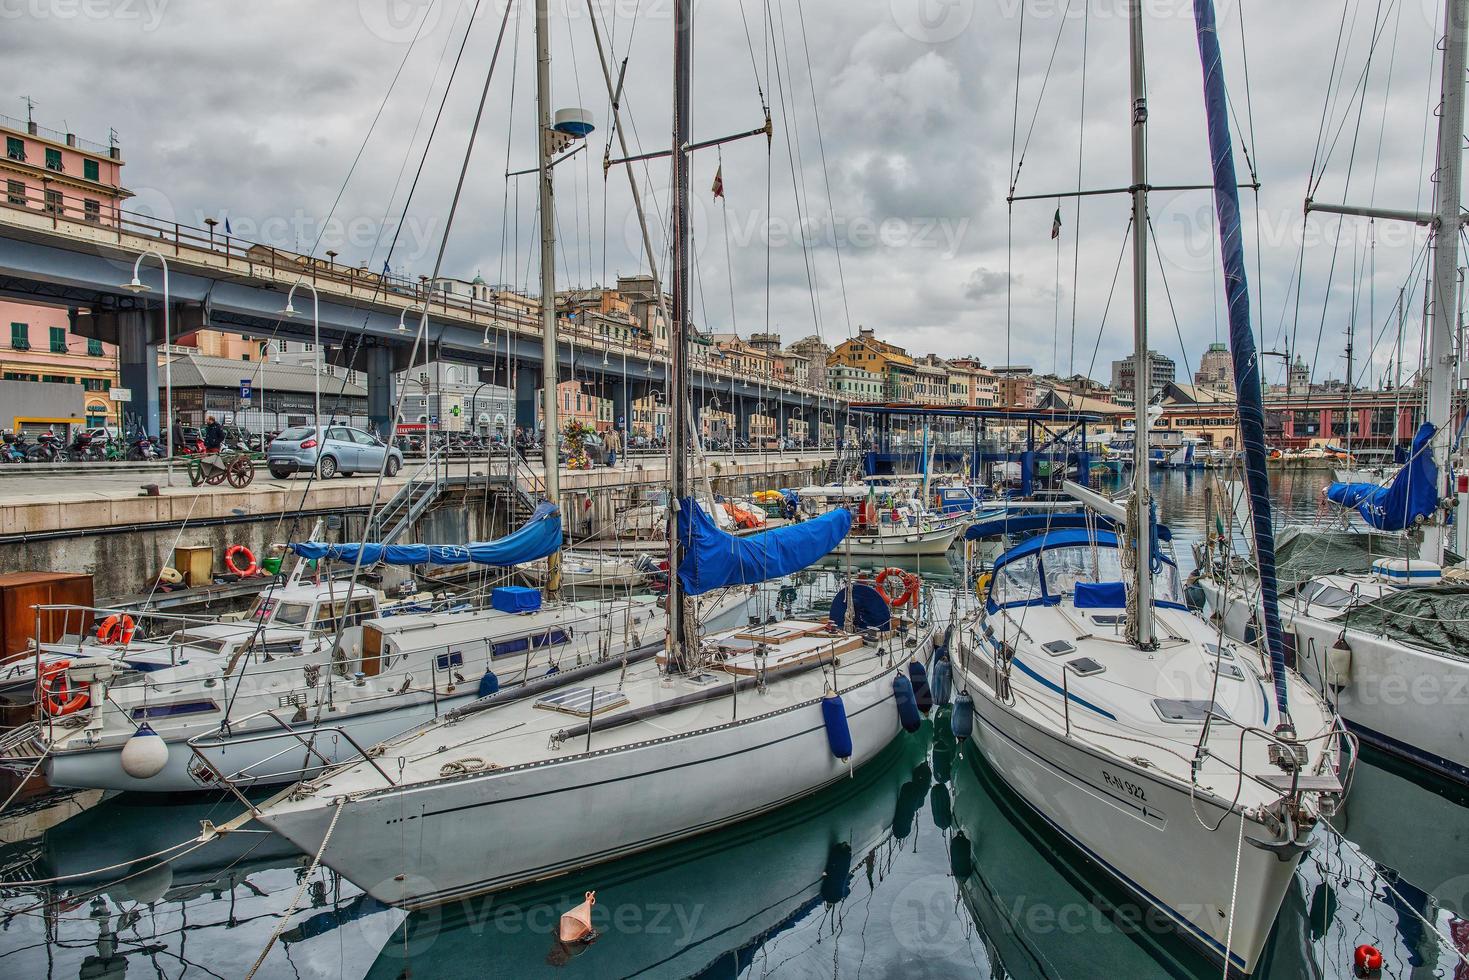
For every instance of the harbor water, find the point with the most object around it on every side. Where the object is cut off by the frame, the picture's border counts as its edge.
(921, 865)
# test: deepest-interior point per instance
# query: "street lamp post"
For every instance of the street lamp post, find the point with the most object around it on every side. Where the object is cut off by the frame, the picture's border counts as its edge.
(137, 286)
(317, 353)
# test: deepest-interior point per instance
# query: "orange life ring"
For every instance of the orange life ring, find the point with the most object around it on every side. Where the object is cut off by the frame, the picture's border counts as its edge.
(56, 696)
(116, 629)
(229, 560)
(910, 586)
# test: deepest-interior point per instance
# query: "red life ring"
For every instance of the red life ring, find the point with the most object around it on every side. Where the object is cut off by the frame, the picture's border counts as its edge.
(56, 696)
(910, 586)
(116, 629)
(235, 550)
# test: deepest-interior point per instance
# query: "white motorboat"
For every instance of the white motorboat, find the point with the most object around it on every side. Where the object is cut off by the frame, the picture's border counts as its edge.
(887, 523)
(584, 568)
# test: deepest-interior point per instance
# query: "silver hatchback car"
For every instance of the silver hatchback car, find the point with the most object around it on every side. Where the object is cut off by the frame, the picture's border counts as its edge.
(344, 450)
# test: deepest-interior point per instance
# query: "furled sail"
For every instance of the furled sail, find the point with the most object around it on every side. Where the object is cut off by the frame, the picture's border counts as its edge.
(1412, 494)
(536, 538)
(714, 559)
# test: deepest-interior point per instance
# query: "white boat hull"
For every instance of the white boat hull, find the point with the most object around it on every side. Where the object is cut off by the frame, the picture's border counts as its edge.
(1147, 830)
(934, 541)
(487, 831)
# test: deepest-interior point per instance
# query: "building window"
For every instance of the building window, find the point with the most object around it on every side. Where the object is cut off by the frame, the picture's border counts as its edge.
(53, 160)
(58, 340)
(53, 202)
(93, 210)
(59, 379)
(20, 336)
(15, 193)
(94, 347)
(15, 148)
(91, 170)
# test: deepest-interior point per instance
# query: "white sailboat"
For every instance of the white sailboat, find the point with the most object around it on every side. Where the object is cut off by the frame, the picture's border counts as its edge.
(719, 728)
(1191, 770)
(1378, 637)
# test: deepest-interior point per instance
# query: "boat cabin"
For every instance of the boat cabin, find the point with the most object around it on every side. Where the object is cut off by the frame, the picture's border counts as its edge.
(1077, 565)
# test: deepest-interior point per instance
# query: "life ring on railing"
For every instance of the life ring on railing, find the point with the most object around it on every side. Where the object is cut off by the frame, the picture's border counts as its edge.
(910, 586)
(56, 696)
(234, 551)
(116, 629)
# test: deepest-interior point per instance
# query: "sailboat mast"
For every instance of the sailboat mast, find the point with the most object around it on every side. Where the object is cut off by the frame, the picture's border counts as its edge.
(681, 641)
(1439, 364)
(550, 429)
(1140, 624)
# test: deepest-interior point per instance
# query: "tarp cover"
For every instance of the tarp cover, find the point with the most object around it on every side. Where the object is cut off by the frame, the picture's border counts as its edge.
(1412, 494)
(537, 538)
(713, 559)
(1432, 617)
(1304, 553)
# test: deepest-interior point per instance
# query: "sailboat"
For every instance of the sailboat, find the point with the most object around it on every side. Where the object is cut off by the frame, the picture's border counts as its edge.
(273, 714)
(719, 727)
(1191, 770)
(1383, 636)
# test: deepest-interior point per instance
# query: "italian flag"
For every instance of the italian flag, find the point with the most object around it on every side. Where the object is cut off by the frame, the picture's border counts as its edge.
(1056, 224)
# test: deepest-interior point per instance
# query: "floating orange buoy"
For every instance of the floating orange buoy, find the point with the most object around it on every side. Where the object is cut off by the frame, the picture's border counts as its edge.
(1367, 959)
(576, 925)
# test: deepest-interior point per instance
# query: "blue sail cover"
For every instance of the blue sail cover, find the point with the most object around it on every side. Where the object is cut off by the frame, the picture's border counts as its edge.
(536, 538)
(1412, 494)
(1243, 354)
(714, 559)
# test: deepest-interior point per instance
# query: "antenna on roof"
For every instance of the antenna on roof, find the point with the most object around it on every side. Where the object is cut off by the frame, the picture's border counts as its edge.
(30, 108)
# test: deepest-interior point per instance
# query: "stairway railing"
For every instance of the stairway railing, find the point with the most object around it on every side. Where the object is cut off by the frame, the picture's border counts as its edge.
(411, 500)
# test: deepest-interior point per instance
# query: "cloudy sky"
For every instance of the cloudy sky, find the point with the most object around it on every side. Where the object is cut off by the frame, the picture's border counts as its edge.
(896, 123)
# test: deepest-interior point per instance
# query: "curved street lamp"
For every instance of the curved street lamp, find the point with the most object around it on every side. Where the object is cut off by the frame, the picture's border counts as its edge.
(137, 286)
(318, 355)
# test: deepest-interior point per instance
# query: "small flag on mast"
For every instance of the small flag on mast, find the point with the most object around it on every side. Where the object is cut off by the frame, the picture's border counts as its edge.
(1056, 224)
(718, 187)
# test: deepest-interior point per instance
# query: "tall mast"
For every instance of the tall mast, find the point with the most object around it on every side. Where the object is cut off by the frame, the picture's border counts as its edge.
(681, 638)
(1439, 364)
(550, 429)
(1140, 624)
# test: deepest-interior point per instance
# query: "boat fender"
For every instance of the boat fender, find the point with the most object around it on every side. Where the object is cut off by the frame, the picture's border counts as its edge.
(1339, 663)
(943, 676)
(907, 703)
(144, 754)
(961, 722)
(1367, 961)
(576, 924)
(941, 807)
(921, 693)
(961, 857)
(838, 732)
(488, 684)
(836, 879)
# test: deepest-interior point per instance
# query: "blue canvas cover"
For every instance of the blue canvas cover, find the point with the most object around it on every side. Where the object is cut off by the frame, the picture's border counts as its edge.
(713, 559)
(536, 538)
(1100, 595)
(1412, 494)
(870, 609)
(515, 599)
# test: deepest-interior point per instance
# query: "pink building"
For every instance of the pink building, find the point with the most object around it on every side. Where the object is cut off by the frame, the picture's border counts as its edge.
(61, 174)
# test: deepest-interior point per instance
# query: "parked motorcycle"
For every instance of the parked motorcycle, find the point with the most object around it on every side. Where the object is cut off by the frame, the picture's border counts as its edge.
(46, 450)
(84, 449)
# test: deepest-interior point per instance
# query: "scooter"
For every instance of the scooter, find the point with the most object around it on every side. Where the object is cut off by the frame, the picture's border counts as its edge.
(46, 450)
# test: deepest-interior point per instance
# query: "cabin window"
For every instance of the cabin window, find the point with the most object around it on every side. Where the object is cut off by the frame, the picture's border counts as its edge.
(447, 661)
(550, 638)
(173, 710)
(1018, 581)
(1067, 566)
(293, 614)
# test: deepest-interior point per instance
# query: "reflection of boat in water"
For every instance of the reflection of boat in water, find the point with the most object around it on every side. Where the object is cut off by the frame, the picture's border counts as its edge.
(210, 907)
(1044, 910)
(705, 906)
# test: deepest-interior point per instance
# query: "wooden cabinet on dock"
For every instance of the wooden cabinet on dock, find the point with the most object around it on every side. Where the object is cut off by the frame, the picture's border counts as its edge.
(19, 591)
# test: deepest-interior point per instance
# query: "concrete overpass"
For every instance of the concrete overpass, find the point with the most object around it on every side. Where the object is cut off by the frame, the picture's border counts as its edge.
(222, 283)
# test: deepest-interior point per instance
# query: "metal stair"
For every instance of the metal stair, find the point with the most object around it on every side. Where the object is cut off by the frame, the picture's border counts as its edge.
(409, 503)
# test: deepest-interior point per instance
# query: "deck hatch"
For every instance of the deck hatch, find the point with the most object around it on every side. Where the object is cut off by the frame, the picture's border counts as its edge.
(583, 701)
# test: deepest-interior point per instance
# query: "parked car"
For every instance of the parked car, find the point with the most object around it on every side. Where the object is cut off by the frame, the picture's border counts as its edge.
(344, 450)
